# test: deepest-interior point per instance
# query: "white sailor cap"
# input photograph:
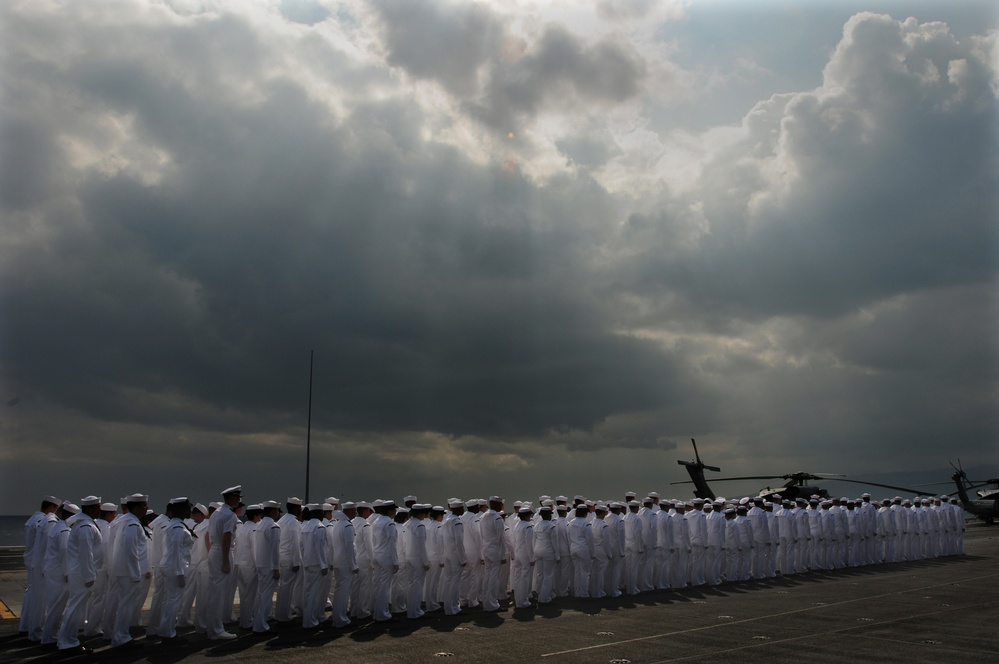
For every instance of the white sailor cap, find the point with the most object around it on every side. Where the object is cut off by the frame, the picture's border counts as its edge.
(653, 494)
(634, 503)
(124, 500)
(698, 500)
(495, 499)
(71, 508)
(214, 505)
(233, 489)
(403, 510)
(744, 501)
(600, 507)
(388, 503)
(542, 499)
(437, 508)
(201, 508)
(730, 510)
(150, 512)
(350, 504)
(293, 501)
(561, 499)
(455, 503)
(327, 507)
(547, 509)
(108, 507)
(483, 502)
(52, 499)
(269, 505)
(255, 506)
(178, 501)
(363, 503)
(410, 498)
(517, 503)
(865, 495)
(312, 507)
(472, 502)
(589, 503)
(333, 500)
(90, 501)
(547, 503)
(718, 501)
(524, 510)
(138, 498)
(630, 494)
(579, 496)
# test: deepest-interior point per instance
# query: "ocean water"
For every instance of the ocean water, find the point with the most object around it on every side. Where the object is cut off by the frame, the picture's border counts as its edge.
(12, 530)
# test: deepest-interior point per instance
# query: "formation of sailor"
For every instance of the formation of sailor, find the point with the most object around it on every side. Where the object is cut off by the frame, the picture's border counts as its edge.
(91, 566)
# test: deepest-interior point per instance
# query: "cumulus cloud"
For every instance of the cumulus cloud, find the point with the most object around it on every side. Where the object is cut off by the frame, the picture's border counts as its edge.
(204, 193)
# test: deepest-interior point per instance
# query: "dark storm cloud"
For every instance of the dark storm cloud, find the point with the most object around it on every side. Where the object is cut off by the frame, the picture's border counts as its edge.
(436, 295)
(206, 197)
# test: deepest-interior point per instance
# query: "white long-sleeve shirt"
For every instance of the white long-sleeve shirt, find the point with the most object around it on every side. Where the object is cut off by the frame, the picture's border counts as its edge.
(84, 550)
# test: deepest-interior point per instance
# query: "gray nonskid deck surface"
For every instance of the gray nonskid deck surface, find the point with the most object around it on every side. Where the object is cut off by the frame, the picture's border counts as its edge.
(944, 610)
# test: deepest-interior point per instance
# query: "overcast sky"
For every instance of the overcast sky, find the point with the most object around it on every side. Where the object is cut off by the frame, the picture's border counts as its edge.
(535, 246)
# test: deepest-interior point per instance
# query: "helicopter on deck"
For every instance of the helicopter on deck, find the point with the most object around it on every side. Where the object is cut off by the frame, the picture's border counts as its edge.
(986, 507)
(796, 486)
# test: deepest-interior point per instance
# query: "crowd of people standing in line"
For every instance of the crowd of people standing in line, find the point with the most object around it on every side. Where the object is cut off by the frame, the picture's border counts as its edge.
(91, 566)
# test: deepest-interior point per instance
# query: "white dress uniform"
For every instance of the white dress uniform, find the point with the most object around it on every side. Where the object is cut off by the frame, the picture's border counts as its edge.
(384, 562)
(453, 554)
(84, 556)
(698, 542)
(222, 523)
(360, 590)
(113, 593)
(435, 552)
(602, 547)
(198, 588)
(267, 559)
(418, 564)
(523, 560)
(246, 572)
(634, 542)
(761, 537)
(156, 528)
(680, 570)
(646, 574)
(731, 548)
(96, 607)
(664, 548)
(582, 551)
(715, 523)
(787, 532)
(491, 529)
(546, 556)
(803, 557)
(316, 562)
(345, 567)
(471, 575)
(290, 582)
(399, 587)
(615, 563)
(33, 608)
(178, 545)
(129, 565)
(563, 566)
(56, 580)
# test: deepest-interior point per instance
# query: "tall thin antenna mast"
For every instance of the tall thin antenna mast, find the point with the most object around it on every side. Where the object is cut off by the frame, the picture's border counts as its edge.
(308, 434)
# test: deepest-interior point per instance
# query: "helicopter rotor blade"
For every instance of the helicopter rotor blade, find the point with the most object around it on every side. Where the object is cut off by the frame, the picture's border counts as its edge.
(889, 486)
(748, 477)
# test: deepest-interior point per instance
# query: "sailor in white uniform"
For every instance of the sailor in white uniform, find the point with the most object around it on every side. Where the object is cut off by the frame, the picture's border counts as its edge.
(33, 608)
(267, 558)
(129, 566)
(84, 556)
(178, 545)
